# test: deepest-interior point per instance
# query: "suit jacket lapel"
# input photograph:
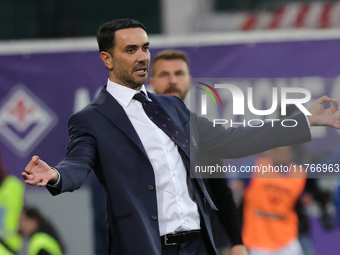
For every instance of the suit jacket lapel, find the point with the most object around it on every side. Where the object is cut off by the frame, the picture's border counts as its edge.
(113, 111)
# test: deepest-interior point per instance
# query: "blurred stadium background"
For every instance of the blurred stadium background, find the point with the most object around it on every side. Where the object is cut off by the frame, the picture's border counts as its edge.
(49, 64)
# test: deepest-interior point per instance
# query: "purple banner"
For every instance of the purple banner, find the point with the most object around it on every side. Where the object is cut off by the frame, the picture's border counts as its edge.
(38, 92)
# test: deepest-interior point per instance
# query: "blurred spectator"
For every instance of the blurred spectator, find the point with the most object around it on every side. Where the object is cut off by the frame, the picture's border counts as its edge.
(270, 222)
(43, 238)
(11, 203)
(310, 192)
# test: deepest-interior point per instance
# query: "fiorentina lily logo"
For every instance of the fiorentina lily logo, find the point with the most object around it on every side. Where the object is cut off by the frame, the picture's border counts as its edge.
(24, 120)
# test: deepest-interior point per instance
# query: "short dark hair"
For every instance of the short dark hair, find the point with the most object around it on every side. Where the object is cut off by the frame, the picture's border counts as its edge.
(169, 55)
(106, 32)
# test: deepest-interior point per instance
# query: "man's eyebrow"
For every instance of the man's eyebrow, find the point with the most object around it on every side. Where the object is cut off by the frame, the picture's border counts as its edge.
(129, 46)
(163, 72)
(179, 71)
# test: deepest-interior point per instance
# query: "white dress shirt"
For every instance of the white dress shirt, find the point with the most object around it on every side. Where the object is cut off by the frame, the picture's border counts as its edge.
(176, 210)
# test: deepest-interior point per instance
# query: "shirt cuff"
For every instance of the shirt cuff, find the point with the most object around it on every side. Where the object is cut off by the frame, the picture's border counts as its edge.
(57, 184)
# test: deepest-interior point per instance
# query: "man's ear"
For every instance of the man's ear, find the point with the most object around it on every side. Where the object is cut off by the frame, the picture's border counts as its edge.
(107, 59)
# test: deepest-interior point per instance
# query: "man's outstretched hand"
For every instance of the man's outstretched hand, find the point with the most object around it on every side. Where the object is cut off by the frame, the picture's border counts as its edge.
(37, 172)
(324, 117)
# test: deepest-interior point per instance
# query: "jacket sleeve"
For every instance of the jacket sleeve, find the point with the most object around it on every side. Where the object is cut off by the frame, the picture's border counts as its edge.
(80, 157)
(244, 141)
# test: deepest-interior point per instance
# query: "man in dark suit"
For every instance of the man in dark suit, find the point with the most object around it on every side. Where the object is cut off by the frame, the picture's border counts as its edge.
(153, 205)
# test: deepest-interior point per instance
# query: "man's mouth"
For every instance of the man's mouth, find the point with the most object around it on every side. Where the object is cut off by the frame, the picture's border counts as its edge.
(141, 71)
(172, 91)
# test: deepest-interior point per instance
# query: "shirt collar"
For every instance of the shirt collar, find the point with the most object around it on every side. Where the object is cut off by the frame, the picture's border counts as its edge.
(122, 93)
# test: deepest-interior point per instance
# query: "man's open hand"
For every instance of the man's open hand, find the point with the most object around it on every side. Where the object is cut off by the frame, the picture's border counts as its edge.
(37, 172)
(324, 117)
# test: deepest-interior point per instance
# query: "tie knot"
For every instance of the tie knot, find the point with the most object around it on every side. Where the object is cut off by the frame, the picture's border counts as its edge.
(140, 97)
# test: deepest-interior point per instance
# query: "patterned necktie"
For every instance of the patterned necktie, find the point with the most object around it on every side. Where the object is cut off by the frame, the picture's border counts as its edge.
(162, 120)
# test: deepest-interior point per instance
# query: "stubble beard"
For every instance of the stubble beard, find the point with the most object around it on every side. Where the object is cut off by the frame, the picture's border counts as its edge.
(128, 80)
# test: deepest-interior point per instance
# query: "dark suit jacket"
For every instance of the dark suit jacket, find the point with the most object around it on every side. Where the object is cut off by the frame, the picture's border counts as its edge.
(102, 138)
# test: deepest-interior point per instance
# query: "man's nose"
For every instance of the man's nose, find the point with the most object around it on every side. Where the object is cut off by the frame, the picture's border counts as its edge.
(173, 79)
(142, 56)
